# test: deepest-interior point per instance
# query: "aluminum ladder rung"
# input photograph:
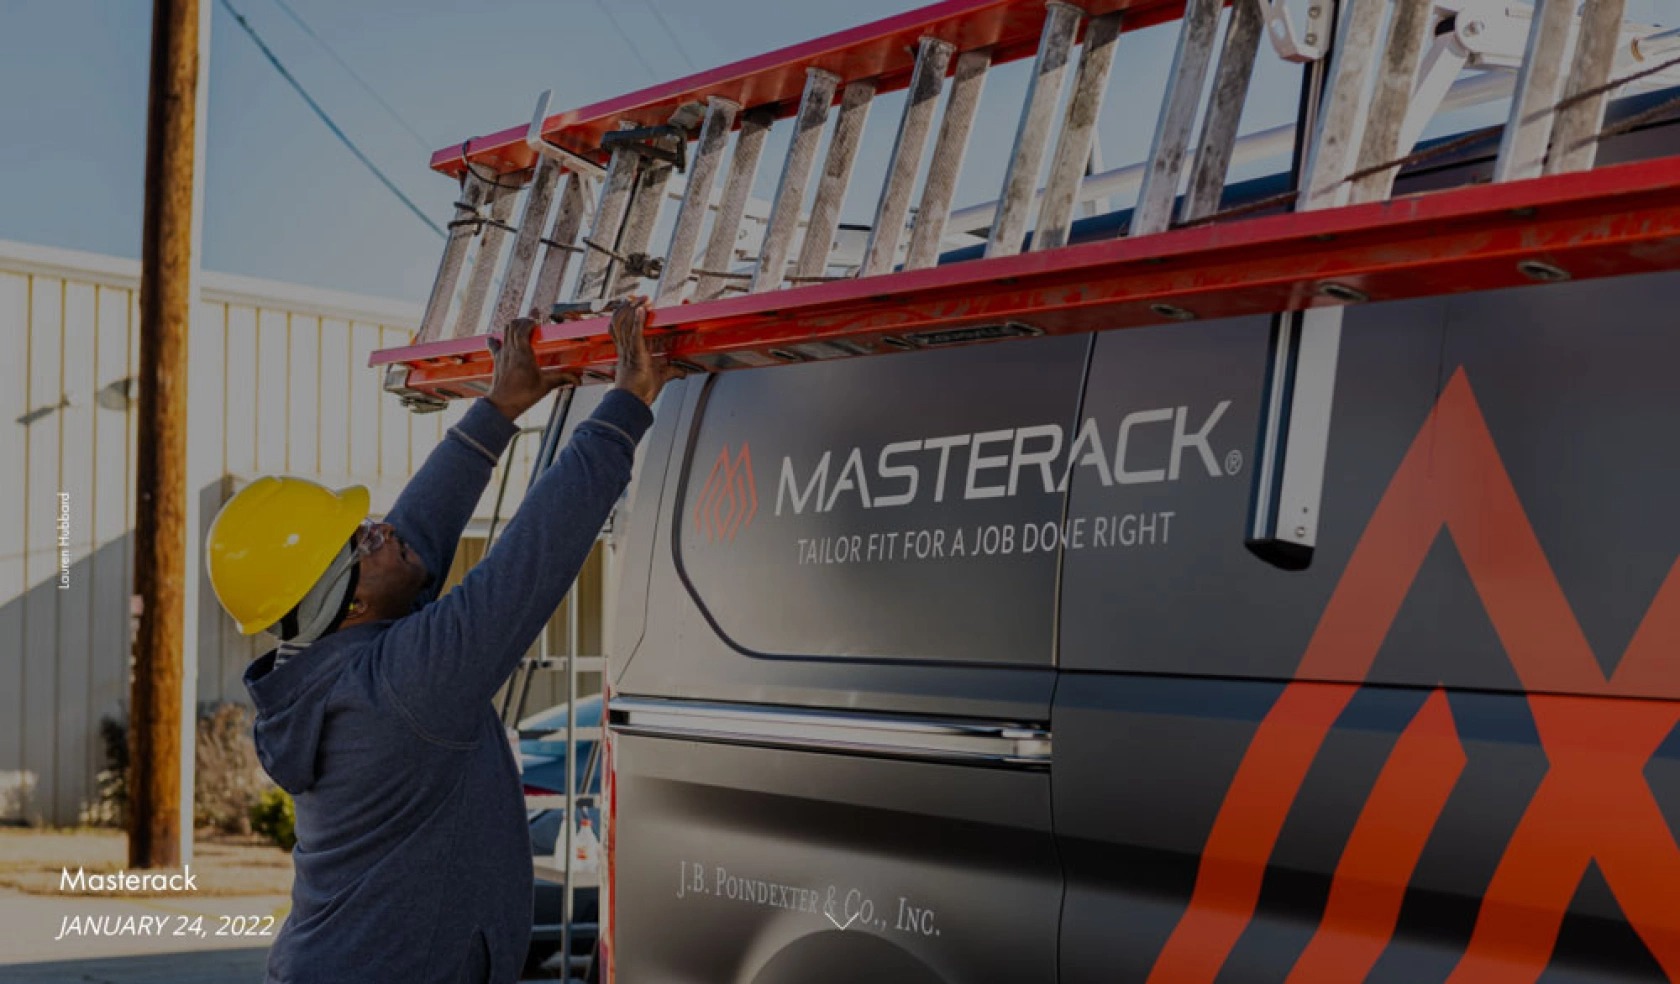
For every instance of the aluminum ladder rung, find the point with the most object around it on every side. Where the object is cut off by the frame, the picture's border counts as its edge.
(824, 219)
(610, 212)
(796, 175)
(1540, 81)
(737, 189)
(1340, 131)
(1076, 143)
(1575, 139)
(1171, 143)
(1032, 134)
(492, 236)
(934, 211)
(685, 237)
(1217, 144)
(585, 664)
(645, 203)
(1412, 22)
(571, 217)
(522, 259)
(581, 733)
(474, 193)
(933, 60)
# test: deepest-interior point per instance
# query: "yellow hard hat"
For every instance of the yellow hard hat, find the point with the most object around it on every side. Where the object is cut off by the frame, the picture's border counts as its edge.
(273, 540)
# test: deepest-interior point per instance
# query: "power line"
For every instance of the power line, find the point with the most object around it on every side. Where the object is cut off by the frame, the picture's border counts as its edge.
(297, 19)
(664, 24)
(628, 41)
(343, 137)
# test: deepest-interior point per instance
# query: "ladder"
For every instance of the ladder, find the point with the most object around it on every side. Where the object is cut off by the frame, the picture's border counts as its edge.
(516, 698)
(1375, 72)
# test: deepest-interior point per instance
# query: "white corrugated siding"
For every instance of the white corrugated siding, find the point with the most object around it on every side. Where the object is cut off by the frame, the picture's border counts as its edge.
(278, 384)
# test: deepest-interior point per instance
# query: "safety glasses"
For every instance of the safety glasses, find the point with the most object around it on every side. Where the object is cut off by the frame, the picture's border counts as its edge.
(370, 536)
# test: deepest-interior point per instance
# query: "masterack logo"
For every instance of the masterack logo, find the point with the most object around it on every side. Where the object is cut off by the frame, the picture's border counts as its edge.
(1003, 463)
(1593, 805)
(729, 499)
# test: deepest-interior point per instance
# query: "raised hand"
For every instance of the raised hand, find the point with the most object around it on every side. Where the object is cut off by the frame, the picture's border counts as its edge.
(638, 372)
(519, 383)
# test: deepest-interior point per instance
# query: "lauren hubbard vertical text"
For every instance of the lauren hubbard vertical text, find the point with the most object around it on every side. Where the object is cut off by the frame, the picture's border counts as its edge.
(64, 541)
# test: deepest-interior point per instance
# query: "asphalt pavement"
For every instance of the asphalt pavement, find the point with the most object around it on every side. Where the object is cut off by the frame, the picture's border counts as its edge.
(202, 967)
(39, 943)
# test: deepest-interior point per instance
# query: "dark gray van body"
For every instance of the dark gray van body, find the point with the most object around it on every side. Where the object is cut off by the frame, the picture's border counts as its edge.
(952, 666)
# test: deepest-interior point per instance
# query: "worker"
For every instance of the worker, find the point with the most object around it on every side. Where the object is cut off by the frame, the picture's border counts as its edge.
(413, 859)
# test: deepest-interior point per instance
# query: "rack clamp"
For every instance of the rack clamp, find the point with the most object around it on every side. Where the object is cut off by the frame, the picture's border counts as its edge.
(1295, 44)
(644, 266)
(667, 142)
(579, 310)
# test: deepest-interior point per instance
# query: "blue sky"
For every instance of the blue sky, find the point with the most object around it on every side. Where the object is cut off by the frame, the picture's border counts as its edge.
(282, 198)
(285, 201)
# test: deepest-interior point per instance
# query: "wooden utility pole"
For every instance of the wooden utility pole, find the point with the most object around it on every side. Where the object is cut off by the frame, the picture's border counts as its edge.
(160, 545)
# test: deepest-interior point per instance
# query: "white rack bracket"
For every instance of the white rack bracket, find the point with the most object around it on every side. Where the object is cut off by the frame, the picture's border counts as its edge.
(1304, 45)
(537, 142)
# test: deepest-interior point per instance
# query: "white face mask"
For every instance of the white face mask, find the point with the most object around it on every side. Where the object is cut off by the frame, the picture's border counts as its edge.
(316, 612)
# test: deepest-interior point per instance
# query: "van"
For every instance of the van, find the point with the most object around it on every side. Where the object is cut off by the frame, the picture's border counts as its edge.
(952, 667)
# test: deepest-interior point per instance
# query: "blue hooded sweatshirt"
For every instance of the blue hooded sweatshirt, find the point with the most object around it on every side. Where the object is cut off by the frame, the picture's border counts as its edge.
(413, 858)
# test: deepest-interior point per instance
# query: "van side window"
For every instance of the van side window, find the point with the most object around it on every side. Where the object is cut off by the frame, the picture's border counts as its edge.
(883, 508)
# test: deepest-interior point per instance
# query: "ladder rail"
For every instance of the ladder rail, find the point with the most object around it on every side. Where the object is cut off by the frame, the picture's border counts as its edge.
(1260, 265)
(571, 819)
(501, 486)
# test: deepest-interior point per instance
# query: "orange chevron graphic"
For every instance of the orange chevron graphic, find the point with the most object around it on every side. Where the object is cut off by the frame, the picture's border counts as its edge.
(729, 499)
(1593, 805)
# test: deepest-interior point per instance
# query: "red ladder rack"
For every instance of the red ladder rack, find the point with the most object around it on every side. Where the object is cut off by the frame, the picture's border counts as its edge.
(1550, 215)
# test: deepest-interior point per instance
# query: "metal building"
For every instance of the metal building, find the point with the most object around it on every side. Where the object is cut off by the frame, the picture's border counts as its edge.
(278, 385)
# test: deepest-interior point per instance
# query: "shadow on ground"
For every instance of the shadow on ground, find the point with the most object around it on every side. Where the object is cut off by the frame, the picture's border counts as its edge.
(204, 967)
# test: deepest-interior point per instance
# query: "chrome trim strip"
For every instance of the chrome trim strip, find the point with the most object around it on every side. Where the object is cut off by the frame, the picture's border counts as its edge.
(962, 742)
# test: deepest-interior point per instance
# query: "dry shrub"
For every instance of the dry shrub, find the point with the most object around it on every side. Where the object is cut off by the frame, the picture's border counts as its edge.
(110, 805)
(229, 779)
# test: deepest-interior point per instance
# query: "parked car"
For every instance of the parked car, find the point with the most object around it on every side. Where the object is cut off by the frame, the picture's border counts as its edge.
(543, 756)
(543, 772)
